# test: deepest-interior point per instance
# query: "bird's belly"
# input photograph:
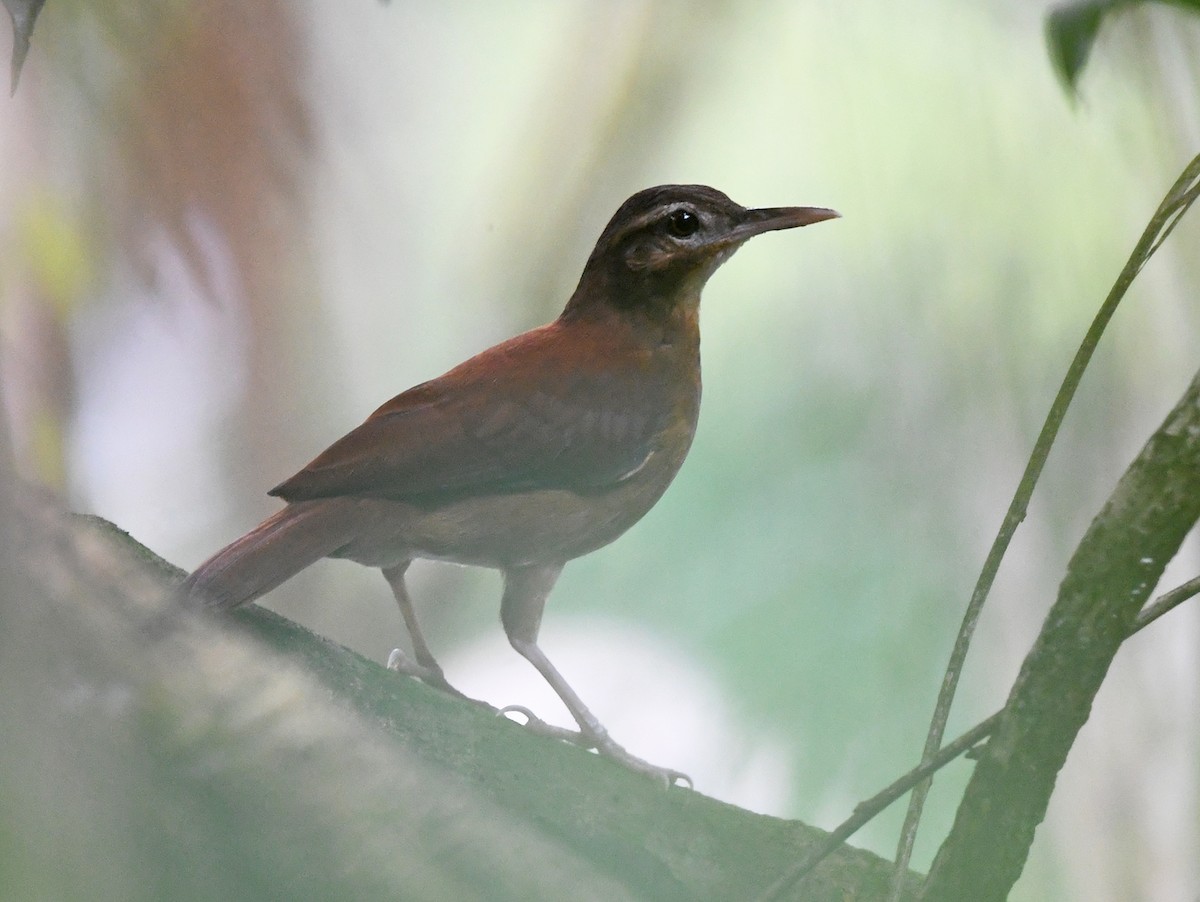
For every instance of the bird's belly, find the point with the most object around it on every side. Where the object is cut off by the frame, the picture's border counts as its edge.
(545, 526)
(550, 526)
(500, 531)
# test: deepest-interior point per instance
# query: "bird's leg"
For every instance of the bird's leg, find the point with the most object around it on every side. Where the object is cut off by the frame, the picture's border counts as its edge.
(525, 593)
(426, 667)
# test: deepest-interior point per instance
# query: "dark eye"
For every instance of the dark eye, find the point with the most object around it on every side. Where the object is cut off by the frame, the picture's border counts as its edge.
(683, 223)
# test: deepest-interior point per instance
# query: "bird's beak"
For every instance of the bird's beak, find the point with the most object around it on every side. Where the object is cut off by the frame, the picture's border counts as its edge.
(769, 219)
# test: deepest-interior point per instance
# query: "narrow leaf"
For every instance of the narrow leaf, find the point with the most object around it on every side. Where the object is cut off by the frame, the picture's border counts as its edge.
(1070, 33)
(23, 13)
(1071, 30)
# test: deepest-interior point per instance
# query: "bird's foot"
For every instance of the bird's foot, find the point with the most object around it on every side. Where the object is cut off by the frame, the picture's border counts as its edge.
(600, 742)
(666, 776)
(535, 724)
(432, 676)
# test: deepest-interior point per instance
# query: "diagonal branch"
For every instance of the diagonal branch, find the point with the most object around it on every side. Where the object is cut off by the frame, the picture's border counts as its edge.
(1176, 203)
(1118, 562)
(866, 810)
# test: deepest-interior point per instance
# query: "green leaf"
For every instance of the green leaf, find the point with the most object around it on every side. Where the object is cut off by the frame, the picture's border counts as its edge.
(23, 13)
(1071, 31)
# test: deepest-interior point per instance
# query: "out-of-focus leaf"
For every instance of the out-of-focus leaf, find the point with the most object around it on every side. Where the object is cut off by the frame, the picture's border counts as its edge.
(1071, 31)
(54, 245)
(24, 13)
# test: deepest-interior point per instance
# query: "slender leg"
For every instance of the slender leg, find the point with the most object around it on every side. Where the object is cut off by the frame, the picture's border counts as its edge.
(525, 593)
(426, 667)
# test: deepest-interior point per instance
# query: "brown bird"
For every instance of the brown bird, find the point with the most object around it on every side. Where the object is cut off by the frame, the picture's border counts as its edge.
(532, 453)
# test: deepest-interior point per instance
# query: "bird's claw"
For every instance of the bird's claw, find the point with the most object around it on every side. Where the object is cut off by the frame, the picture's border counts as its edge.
(432, 676)
(665, 776)
(536, 725)
(602, 745)
(402, 663)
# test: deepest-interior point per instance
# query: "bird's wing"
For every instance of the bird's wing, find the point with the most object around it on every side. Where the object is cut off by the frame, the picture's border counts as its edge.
(523, 415)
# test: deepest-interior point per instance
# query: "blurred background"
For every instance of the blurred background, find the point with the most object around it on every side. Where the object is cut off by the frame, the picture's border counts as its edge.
(229, 231)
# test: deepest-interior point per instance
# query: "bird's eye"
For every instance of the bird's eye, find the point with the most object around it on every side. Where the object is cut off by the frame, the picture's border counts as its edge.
(683, 223)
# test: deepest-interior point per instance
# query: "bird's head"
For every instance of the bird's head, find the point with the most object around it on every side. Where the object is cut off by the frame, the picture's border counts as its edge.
(664, 243)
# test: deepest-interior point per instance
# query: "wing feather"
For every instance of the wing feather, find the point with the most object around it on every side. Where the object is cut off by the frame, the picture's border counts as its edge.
(554, 422)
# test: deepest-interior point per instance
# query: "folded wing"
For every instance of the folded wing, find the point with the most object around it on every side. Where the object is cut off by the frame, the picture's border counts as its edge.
(555, 423)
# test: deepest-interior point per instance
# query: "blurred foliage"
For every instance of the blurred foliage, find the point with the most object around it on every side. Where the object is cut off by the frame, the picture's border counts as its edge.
(55, 248)
(1072, 29)
(23, 14)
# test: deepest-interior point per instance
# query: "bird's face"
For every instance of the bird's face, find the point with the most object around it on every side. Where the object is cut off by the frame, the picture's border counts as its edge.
(665, 242)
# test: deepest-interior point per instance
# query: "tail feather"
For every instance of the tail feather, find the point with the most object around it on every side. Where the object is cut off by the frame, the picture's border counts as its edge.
(271, 553)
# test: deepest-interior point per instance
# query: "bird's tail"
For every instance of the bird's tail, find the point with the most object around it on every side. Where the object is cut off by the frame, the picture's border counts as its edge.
(274, 551)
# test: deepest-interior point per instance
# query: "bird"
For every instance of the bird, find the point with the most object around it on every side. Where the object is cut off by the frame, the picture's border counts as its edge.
(530, 454)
